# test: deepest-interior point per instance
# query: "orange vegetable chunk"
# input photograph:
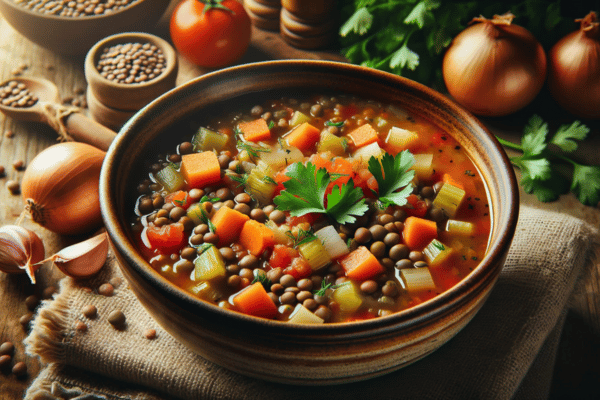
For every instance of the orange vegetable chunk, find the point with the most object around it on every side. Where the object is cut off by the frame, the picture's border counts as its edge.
(447, 178)
(303, 137)
(256, 237)
(200, 169)
(228, 224)
(363, 135)
(254, 300)
(418, 232)
(361, 264)
(255, 131)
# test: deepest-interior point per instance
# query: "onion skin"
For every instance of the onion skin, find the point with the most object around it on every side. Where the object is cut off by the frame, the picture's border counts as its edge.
(494, 68)
(574, 70)
(60, 188)
(21, 250)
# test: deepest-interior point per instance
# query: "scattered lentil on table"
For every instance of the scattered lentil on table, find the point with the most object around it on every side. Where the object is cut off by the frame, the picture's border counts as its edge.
(16, 94)
(13, 186)
(131, 63)
(75, 8)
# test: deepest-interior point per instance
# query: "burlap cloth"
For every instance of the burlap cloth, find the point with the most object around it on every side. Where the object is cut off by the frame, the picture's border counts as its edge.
(506, 351)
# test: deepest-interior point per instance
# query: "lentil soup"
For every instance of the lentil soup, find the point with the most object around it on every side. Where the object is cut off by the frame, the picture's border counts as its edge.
(314, 210)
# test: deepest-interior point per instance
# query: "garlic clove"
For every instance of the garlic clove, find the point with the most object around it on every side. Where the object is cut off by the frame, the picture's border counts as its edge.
(21, 250)
(83, 259)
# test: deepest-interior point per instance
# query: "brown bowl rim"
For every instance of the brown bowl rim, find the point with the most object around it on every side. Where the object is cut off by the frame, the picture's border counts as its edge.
(438, 306)
(11, 3)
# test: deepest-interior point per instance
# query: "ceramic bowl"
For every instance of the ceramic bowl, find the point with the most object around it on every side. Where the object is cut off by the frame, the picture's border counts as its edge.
(68, 35)
(279, 351)
(129, 97)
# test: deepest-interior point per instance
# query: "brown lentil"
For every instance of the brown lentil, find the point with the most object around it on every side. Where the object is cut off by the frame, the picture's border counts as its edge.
(243, 208)
(18, 165)
(25, 320)
(310, 304)
(13, 187)
(378, 232)
(323, 312)
(362, 235)
(368, 286)
(399, 251)
(9, 134)
(277, 216)
(415, 256)
(234, 281)
(20, 369)
(186, 148)
(287, 280)
(16, 94)
(131, 63)
(5, 361)
(378, 249)
(258, 215)
(304, 295)
(211, 237)
(2, 171)
(106, 289)
(420, 264)
(288, 298)
(32, 302)
(90, 311)
(75, 9)
(150, 334)
(116, 318)
(81, 326)
(7, 348)
(243, 198)
(183, 266)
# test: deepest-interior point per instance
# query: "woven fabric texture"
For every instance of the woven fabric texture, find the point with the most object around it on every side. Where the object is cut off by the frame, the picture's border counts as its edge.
(506, 351)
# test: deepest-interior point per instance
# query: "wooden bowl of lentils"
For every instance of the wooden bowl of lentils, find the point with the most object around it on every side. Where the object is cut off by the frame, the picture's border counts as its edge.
(73, 26)
(205, 196)
(126, 71)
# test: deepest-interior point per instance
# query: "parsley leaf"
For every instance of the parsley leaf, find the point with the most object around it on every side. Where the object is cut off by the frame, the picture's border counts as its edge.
(393, 173)
(586, 183)
(305, 193)
(566, 136)
(360, 22)
(534, 136)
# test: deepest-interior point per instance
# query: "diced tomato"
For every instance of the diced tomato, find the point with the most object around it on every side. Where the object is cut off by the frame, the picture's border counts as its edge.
(179, 198)
(364, 179)
(167, 239)
(338, 165)
(310, 218)
(415, 207)
(299, 268)
(282, 256)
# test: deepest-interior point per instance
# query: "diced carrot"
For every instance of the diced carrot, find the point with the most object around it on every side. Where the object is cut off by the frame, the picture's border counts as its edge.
(256, 237)
(255, 301)
(418, 232)
(167, 239)
(200, 169)
(255, 131)
(304, 136)
(363, 135)
(179, 198)
(228, 224)
(361, 264)
(447, 178)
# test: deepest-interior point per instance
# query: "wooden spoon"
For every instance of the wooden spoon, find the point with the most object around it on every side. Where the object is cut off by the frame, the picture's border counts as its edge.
(49, 110)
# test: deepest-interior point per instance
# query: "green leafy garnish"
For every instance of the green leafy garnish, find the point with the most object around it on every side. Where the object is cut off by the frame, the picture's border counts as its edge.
(271, 124)
(204, 218)
(203, 247)
(302, 237)
(270, 180)
(305, 193)
(393, 173)
(336, 124)
(438, 245)
(240, 179)
(261, 277)
(252, 150)
(545, 172)
(205, 198)
(324, 286)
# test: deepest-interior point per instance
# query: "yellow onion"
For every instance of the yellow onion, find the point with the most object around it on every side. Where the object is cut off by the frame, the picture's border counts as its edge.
(20, 251)
(574, 69)
(60, 188)
(494, 67)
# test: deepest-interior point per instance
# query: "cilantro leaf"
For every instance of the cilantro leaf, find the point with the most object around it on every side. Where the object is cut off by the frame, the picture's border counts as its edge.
(346, 203)
(586, 184)
(360, 22)
(404, 57)
(305, 193)
(565, 136)
(393, 173)
(534, 136)
(545, 190)
(421, 12)
(535, 168)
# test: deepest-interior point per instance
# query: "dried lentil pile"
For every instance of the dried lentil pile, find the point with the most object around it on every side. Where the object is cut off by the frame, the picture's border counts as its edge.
(75, 8)
(131, 63)
(16, 94)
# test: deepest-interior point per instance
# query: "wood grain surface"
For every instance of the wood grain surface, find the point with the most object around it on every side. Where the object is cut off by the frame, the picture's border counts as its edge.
(578, 364)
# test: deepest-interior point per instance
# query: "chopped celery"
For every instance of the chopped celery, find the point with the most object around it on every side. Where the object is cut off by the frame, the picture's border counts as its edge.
(196, 212)
(333, 243)
(299, 118)
(449, 198)
(209, 265)
(400, 139)
(314, 252)
(170, 178)
(436, 252)
(335, 144)
(279, 233)
(207, 140)
(347, 295)
(423, 166)
(368, 151)
(206, 291)
(417, 279)
(260, 183)
(302, 315)
(460, 227)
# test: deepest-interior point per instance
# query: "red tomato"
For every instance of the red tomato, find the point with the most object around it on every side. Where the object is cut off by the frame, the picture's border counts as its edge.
(299, 269)
(167, 239)
(415, 206)
(282, 256)
(208, 34)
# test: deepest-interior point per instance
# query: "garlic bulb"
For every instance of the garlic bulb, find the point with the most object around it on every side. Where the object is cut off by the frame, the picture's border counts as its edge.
(21, 250)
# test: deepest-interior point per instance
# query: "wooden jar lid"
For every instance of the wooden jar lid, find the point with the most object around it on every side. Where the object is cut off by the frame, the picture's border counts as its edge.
(263, 16)
(307, 29)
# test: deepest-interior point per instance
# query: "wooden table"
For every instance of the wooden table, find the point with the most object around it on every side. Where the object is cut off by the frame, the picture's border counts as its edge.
(578, 364)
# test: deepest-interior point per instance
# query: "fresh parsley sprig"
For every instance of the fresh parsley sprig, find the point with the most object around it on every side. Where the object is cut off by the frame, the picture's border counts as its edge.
(302, 237)
(305, 193)
(543, 169)
(393, 173)
(252, 150)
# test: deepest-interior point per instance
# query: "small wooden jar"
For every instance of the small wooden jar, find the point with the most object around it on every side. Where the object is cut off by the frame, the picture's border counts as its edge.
(308, 24)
